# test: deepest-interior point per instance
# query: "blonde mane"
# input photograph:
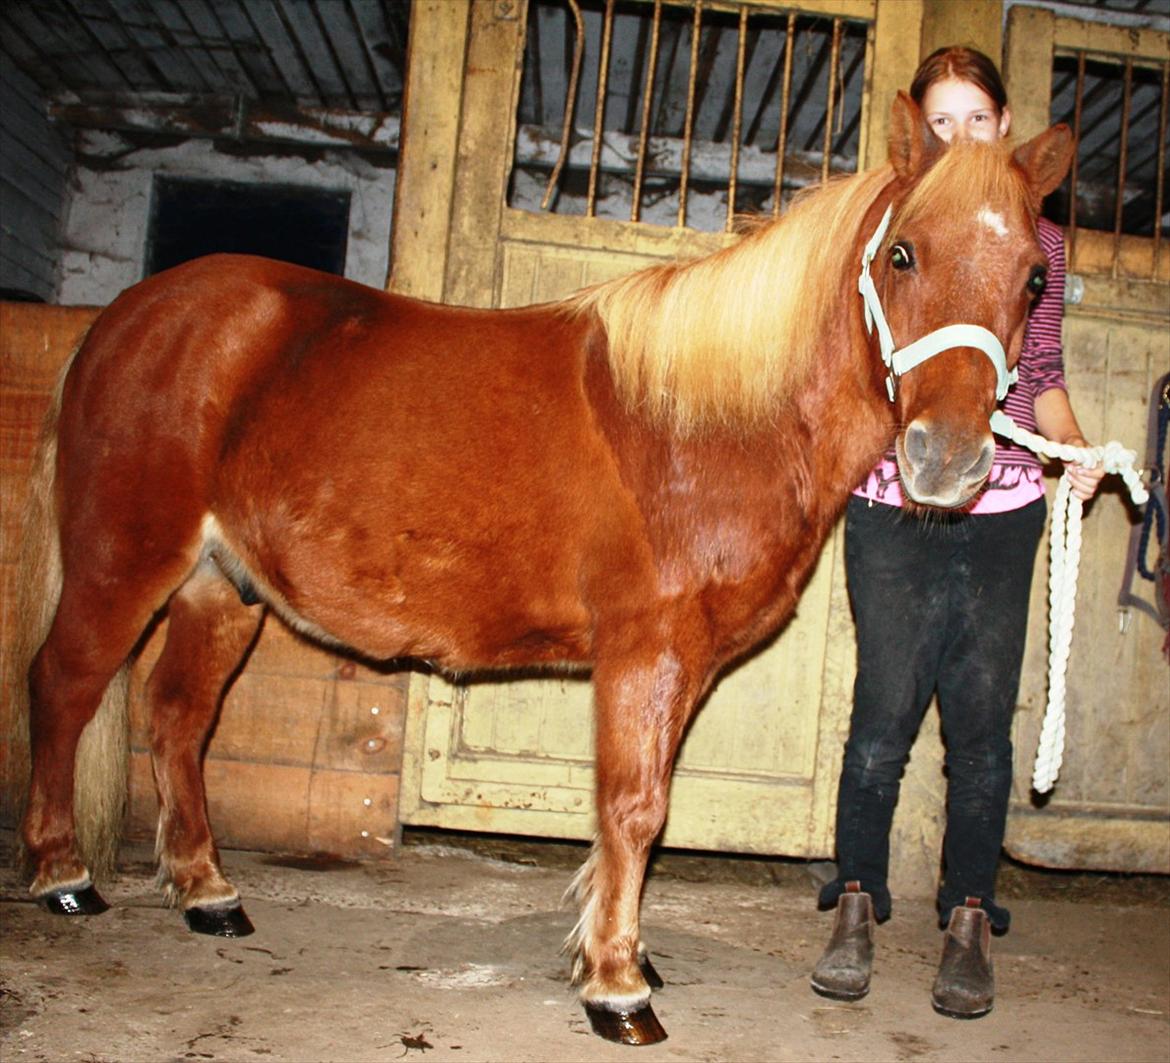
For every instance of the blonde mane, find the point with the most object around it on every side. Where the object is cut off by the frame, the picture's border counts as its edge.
(720, 339)
(969, 175)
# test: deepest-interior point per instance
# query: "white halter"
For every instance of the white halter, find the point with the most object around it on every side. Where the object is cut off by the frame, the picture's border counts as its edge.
(906, 358)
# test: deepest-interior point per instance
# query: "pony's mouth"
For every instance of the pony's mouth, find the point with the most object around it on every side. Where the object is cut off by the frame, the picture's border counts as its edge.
(938, 473)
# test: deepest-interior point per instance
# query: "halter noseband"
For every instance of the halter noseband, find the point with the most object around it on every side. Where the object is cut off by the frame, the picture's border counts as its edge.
(906, 358)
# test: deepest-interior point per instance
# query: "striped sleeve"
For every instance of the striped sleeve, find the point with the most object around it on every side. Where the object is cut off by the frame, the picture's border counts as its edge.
(1042, 359)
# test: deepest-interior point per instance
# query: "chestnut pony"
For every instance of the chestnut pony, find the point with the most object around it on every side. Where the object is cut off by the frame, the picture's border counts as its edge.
(635, 480)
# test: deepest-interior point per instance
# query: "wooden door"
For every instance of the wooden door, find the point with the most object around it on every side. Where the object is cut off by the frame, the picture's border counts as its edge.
(758, 769)
(1110, 808)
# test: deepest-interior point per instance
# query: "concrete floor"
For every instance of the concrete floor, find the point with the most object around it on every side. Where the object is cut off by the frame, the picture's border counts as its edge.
(449, 951)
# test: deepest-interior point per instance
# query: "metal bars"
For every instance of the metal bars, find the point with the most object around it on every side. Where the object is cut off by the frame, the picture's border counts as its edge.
(599, 110)
(737, 121)
(647, 100)
(689, 124)
(782, 136)
(834, 66)
(691, 110)
(1123, 162)
(1118, 108)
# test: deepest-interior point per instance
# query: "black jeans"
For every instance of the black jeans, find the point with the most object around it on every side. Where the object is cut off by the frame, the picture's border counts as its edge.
(940, 603)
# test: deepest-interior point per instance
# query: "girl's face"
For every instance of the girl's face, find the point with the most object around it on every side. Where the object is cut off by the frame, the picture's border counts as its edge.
(959, 110)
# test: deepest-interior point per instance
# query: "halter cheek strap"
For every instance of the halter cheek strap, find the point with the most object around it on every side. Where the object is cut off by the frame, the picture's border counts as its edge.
(902, 360)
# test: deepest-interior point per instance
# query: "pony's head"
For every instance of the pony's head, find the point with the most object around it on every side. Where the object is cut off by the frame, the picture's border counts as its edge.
(960, 248)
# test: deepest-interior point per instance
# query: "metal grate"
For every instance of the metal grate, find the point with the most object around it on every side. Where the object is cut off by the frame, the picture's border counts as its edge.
(1118, 112)
(682, 112)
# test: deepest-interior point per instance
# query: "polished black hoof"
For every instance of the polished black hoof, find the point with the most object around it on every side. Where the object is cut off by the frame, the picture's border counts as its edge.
(639, 1027)
(84, 901)
(653, 978)
(219, 922)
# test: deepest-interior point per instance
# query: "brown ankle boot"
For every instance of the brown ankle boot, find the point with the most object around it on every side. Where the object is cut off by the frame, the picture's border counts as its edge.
(842, 973)
(965, 987)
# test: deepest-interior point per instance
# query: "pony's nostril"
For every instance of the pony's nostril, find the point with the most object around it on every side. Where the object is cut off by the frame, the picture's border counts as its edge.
(916, 444)
(982, 465)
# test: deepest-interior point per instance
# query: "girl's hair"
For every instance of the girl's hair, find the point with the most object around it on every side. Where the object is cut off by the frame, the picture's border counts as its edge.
(962, 64)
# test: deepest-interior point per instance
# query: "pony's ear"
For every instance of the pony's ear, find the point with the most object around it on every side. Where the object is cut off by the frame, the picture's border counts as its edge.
(1045, 159)
(913, 145)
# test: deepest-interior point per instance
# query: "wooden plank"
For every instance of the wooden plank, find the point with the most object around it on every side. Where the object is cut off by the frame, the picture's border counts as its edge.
(172, 16)
(1100, 844)
(356, 67)
(889, 65)
(14, 276)
(1093, 255)
(21, 169)
(215, 40)
(282, 808)
(424, 193)
(262, 71)
(325, 721)
(31, 228)
(301, 20)
(1027, 70)
(110, 36)
(974, 23)
(483, 155)
(1123, 41)
(26, 118)
(287, 57)
(173, 69)
(235, 119)
(384, 50)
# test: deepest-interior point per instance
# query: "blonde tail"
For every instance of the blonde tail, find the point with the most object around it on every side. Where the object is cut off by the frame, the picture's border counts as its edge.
(100, 776)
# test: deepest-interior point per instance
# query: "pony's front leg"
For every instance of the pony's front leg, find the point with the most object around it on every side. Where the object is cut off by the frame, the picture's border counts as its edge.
(642, 707)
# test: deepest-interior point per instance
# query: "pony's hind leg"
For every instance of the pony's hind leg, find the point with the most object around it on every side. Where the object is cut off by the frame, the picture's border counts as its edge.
(209, 634)
(79, 667)
(643, 702)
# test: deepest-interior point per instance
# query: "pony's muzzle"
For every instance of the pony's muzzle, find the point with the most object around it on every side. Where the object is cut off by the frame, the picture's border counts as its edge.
(939, 471)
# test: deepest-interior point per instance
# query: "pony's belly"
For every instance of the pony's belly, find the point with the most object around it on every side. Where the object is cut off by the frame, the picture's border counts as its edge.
(458, 604)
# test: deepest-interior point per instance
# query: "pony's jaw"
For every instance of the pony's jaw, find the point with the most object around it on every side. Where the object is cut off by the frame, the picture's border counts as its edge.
(939, 470)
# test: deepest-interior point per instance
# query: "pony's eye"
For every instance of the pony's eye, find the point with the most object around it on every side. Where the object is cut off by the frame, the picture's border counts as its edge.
(902, 256)
(1037, 281)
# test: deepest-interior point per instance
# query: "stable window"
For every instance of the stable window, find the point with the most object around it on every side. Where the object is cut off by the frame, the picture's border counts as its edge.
(1117, 108)
(681, 113)
(294, 223)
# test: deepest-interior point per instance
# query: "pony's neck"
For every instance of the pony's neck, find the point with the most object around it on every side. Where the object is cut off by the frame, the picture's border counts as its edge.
(723, 341)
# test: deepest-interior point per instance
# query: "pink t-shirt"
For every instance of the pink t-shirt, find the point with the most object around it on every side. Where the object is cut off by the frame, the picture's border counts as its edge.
(1016, 475)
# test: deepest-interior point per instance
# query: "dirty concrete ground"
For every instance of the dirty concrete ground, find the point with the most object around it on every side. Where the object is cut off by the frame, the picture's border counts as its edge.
(450, 951)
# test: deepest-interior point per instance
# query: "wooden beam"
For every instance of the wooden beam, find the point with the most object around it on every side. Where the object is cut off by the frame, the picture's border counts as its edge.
(231, 118)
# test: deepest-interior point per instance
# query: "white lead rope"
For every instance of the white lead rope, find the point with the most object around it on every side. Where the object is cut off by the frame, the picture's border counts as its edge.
(1063, 565)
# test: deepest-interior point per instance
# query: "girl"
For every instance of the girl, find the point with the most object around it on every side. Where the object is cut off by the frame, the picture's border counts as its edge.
(942, 604)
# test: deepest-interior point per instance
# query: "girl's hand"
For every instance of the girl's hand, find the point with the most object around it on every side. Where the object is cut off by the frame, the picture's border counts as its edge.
(1083, 481)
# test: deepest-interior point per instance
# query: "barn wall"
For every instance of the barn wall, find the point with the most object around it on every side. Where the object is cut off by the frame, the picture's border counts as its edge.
(34, 163)
(107, 221)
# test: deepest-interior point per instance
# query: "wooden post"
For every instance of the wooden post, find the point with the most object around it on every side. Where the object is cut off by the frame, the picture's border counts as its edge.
(431, 111)
(972, 23)
(1029, 79)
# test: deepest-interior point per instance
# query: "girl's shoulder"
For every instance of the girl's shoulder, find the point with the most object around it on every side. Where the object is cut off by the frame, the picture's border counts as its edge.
(1051, 237)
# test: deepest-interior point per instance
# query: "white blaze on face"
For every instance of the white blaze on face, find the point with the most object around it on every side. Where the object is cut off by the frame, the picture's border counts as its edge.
(992, 220)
